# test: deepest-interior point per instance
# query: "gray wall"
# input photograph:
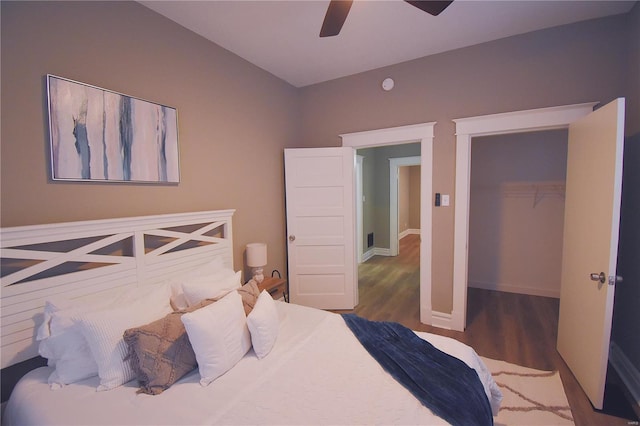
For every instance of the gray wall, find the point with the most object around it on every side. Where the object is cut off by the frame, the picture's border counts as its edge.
(375, 177)
(626, 318)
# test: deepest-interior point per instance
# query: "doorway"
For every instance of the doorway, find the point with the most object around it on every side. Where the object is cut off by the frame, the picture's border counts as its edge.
(422, 134)
(466, 129)
(379, 197)
(400, 200)
(516, 213)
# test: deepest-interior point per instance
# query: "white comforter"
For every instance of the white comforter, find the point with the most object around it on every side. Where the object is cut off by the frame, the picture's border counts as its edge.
(317, 373)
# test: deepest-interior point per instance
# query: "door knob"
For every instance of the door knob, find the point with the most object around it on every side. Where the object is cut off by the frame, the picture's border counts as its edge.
(292, 238)
(599, 277)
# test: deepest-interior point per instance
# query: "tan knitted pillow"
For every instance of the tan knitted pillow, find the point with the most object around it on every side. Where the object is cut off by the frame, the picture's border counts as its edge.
(160, 352)
(249, 293)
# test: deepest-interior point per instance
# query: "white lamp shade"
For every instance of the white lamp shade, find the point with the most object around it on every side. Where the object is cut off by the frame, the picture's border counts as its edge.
(256, 254)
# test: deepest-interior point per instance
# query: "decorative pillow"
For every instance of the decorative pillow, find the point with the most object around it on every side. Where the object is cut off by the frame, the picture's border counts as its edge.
(263, 324)
(213, 286)
(249, 293)
(219, 336)
(103, 331)
(160, 353)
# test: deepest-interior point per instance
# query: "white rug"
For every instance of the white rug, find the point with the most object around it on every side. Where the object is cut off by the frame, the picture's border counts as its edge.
(531, 397)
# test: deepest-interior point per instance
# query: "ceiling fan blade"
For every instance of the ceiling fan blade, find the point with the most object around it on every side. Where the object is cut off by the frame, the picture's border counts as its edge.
(334, 19)
(432, 7)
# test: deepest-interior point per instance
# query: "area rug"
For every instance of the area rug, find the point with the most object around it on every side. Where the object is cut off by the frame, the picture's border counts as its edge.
(531, 397)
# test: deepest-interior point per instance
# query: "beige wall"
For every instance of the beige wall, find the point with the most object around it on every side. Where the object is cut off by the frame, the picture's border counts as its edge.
(234, 119)
(404, 187)
(516, 217)
(414, 197)
(632, 69)
(581, 62)
(408, 198)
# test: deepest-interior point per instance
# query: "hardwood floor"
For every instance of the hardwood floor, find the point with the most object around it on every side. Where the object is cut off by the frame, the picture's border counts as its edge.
(517, 328)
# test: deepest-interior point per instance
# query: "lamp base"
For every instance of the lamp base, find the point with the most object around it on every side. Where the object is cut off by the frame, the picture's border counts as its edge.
(258, 276)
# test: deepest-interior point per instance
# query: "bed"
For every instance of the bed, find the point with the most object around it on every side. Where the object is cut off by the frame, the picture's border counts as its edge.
(299, 365)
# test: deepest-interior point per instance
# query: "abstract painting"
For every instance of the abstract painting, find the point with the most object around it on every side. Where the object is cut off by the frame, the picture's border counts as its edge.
(100, 135)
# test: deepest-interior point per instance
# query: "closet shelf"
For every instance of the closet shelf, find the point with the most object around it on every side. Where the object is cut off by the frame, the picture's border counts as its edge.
(537, 190)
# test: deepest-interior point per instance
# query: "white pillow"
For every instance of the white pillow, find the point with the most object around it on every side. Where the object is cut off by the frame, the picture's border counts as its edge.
(103, 332)
(62, 342)
(263, 324)
(59, 310)
(178, 299)
(212, 286)
(219, 336)
(70, 353)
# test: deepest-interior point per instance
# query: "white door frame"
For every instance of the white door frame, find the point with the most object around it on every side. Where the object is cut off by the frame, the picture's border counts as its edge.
(394, 165)
(359, 202)
(467, 128)
(422, 133)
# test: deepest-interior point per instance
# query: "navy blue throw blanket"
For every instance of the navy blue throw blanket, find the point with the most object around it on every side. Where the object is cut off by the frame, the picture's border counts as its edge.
(443, 383)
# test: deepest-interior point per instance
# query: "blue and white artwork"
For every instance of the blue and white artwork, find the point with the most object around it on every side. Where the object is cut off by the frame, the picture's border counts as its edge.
(100, 135)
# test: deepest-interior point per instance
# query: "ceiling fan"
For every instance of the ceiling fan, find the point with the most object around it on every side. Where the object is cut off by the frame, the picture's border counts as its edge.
(339, 9)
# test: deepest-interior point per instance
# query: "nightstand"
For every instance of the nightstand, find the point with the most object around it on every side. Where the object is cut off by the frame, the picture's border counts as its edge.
(277, 287)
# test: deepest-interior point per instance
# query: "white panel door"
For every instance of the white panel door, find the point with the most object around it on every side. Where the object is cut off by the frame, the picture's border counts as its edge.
(321, 227)
(590, 246)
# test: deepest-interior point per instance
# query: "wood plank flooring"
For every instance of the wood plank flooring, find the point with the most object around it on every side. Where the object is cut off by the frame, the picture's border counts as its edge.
(516, 328)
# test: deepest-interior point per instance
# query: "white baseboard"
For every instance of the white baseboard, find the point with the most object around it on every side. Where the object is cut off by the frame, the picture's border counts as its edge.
(509, 288)
(441, 320)
(626, 370)
(375, 251)
(381, 251)
(409, 231)
(367, 255)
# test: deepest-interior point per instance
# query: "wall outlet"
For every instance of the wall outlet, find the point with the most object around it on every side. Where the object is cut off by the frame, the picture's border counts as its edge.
(445, 200)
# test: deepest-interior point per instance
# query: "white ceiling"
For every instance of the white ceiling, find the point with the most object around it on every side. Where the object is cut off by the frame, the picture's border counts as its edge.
(282, 36)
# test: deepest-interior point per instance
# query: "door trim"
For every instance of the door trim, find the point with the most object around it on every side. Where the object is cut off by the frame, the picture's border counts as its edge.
(359, 201)
(422, 133)
(466, 128)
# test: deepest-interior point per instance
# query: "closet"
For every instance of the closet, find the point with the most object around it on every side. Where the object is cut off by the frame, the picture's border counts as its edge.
(516, 212)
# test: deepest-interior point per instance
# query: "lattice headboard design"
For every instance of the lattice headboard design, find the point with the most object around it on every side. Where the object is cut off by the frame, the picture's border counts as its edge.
(77, 259)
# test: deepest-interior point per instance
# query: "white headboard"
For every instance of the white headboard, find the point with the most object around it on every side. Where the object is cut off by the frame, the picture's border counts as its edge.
(76, 259)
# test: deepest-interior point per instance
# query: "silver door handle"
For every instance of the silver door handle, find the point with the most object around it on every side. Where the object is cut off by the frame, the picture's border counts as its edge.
(599, 277)
(292, 238)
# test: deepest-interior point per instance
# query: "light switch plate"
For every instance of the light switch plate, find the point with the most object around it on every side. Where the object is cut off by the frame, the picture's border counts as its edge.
(445, 200)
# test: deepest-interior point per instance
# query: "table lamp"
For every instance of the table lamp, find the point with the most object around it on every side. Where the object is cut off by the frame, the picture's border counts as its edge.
(257, 259)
